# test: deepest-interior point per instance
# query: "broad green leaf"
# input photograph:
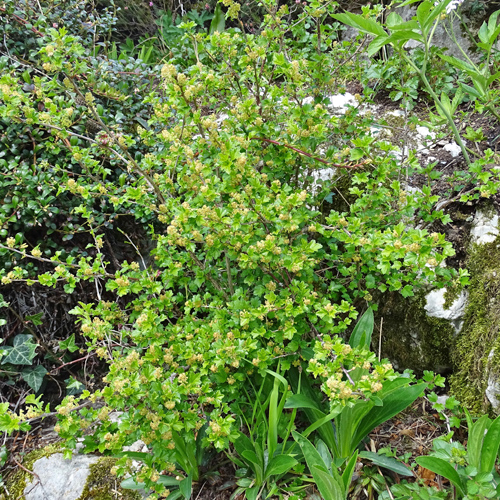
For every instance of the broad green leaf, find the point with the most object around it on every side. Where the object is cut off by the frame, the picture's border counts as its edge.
(393, 20)
(361, 23)
(327, 486)
(251, 493)
(175, 494)
(243, 443)
(186, 486)
(168, 481)
(458, 63)
(387, 463)
(131, 484)
(34, 376)
(300, 401)
(313, 458)
(22, 352)
(362, 334)
(394, 403)
(325, 429)
(443, 468)
(471, 90)
(279, 465)
(251, 457)
(491, 444)
(324, 452)
(475, 441)
(349, 471)
(218, 21)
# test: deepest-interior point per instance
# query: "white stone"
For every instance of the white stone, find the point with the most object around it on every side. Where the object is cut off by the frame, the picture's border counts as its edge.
(484, 228)
(425, 132)
(453, 148)
(59, 479)
(454, 314)
(493, 389)
(340, 102)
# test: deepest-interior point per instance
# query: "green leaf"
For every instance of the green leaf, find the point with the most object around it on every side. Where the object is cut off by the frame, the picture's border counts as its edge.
(34, 376)
(476, 437)
(22, 352)
(186, 486)
(168, 481)
(36, 319)
(279, 465)
(322, 420)
(300, 401)
(394, 402)
(388, 463)
(131, 484)
(327, 486)
(491, 443)
(218, 21)
(313, 458)
(361, 23)
(69, 344)
(458, 63)
(361, 336)
(250, 456)
(349, 471)
(443, 468)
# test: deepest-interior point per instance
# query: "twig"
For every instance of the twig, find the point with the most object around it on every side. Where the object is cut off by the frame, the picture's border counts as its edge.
(309, 155)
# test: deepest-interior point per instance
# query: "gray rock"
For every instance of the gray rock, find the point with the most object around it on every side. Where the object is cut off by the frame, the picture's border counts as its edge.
(434, 307)
(493, 388)
(484, 228)
(57, 478)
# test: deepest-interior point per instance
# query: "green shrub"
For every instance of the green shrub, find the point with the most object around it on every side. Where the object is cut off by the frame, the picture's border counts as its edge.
(248, 269)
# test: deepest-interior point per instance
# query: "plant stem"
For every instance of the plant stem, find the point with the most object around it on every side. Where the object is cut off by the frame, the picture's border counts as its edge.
(438, 103)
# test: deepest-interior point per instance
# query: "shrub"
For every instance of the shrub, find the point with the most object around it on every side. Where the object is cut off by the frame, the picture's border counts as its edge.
(248, 268)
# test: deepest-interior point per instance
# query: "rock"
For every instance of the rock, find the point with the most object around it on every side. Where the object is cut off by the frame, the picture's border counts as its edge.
(493, 388)
(410, 337)
(435, 307)
(83, 477)
(453, 148)
(339, 103)
(484, 228)
(59, 479)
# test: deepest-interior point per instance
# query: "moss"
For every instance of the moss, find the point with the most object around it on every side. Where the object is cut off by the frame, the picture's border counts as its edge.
(16, 482)
(411, 339)
(100, 485)
(103, 485)
(480, 333)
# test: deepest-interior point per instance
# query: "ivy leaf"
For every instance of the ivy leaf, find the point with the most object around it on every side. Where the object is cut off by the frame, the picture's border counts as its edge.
(36, 319)
(69, 344)
(22, 352)
(34, 376)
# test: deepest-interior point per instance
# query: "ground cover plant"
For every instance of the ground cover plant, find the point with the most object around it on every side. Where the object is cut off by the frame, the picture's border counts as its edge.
(224, 324)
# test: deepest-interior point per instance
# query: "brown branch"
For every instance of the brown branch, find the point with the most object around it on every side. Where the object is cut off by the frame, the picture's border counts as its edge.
(309, 155)
(22, 21)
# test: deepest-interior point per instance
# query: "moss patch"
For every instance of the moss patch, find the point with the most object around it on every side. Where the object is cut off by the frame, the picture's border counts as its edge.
(410, 338)
(481, 331)
(16, 482)
(102, 485)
